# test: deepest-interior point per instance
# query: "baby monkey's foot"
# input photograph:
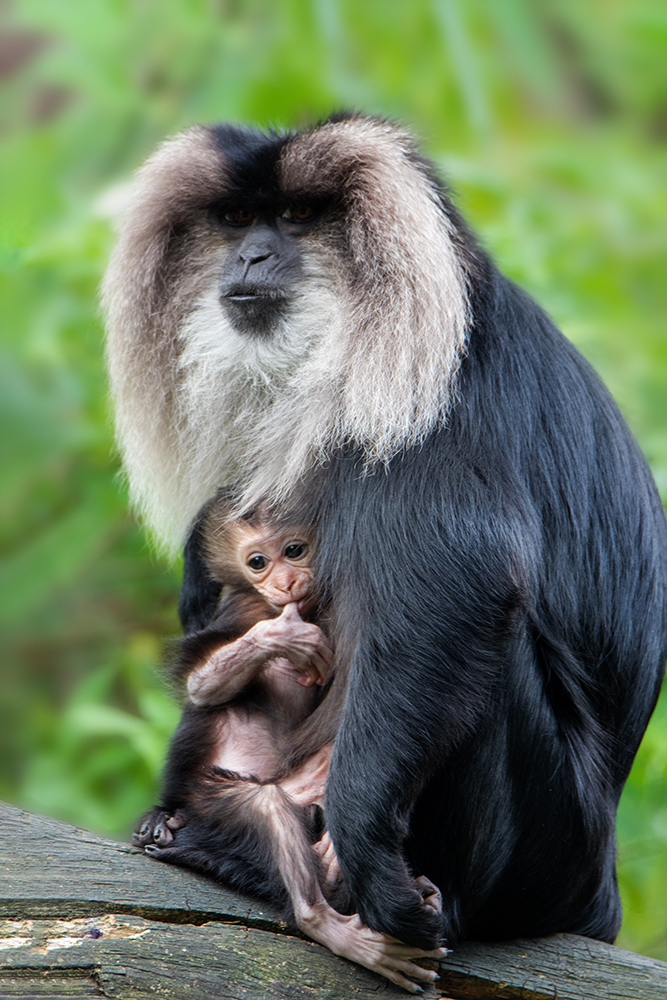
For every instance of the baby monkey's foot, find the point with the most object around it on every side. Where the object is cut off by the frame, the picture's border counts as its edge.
(158, 826)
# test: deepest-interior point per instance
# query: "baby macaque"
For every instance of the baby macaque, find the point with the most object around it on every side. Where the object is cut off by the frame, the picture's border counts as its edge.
(277, 652)
(247, 767)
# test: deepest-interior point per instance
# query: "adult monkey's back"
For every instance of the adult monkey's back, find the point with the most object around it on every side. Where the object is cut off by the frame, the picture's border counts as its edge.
(305, 318)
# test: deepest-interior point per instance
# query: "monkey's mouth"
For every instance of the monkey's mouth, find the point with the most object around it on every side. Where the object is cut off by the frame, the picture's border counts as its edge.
(254, 293)
(253, 309)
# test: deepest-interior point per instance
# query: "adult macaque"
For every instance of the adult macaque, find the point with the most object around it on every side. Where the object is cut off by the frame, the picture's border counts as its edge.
(235, 804)
(305, 319)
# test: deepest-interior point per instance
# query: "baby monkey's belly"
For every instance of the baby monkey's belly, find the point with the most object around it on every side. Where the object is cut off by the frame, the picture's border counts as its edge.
(246, 745)
(253, 734)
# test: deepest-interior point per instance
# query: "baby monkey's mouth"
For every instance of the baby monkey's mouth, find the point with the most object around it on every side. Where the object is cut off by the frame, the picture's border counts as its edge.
(303, 604)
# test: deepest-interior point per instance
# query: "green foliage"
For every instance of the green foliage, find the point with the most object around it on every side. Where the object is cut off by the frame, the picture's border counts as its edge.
(94, 755)
(550, 121)
(643, 843)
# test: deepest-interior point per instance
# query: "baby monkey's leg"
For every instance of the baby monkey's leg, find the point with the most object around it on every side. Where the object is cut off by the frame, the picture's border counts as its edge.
(344, 935)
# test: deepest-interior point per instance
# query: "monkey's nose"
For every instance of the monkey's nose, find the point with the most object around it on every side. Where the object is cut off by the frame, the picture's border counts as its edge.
(255, 258)
(293, 586)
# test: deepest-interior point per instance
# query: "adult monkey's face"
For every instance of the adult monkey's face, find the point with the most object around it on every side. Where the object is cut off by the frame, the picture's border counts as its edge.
(263, 266)
(274, 298)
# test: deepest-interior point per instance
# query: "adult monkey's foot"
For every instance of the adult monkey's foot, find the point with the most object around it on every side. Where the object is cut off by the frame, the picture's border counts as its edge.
(430, 893)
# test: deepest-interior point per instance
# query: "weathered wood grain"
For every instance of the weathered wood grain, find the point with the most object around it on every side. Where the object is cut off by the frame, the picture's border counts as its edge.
(50, 869)
(561, 967)
(87, 917)
(134, 957)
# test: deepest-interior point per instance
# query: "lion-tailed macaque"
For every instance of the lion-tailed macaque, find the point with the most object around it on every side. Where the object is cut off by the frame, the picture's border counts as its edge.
(304, 317)
(234, 806)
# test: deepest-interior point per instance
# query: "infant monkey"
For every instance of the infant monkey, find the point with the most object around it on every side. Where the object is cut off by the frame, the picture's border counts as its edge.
(244, 787)
(275, 653)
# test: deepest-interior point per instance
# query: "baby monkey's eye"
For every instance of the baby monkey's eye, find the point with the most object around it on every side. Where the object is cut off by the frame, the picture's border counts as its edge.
(257, 563)
(295, 550)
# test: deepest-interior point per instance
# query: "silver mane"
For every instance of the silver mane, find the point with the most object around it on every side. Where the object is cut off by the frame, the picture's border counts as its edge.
(367, 355)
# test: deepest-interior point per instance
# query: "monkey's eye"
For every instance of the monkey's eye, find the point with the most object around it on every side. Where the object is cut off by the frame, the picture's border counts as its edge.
(257, 563)
(239, 217)
(299, 213)
(295, 550)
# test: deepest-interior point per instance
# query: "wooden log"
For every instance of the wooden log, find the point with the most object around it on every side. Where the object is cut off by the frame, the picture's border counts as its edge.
(85, 917)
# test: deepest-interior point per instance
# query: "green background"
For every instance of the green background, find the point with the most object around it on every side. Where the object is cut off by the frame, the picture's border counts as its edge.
(549, 118)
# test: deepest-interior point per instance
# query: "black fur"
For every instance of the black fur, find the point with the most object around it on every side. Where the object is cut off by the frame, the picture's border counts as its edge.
(200, 593)
(509, 644)
(503, 588)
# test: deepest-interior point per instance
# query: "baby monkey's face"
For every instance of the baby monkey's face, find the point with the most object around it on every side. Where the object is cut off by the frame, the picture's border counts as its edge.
(278, 566)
